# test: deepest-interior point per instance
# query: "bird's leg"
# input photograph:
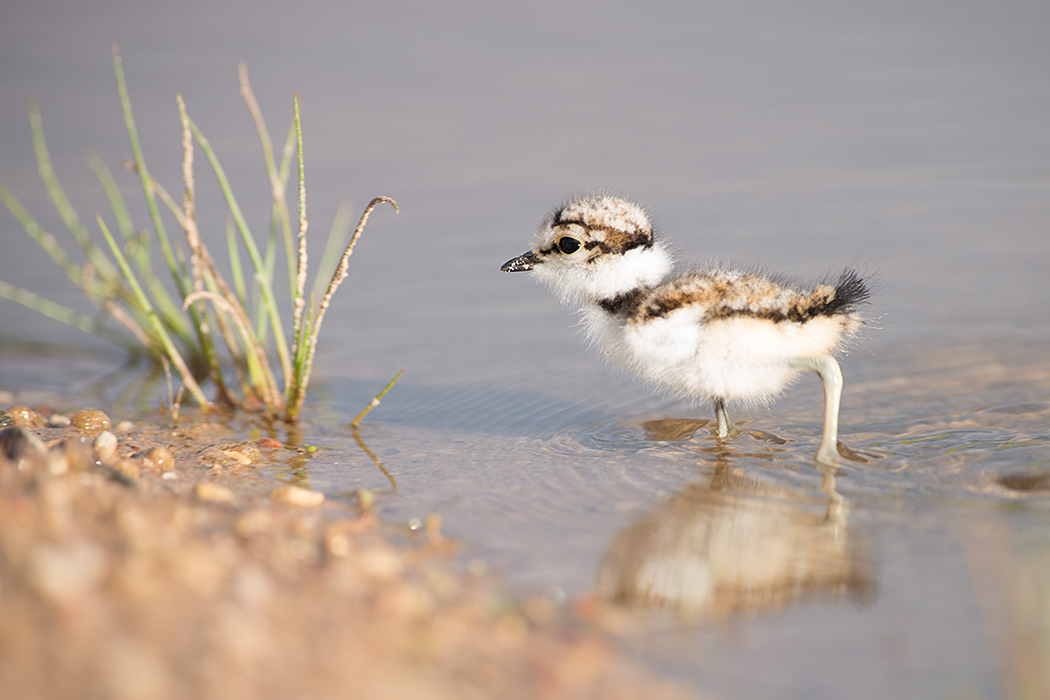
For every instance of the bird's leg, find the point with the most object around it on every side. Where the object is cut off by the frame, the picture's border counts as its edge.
(721, 419)
(831, 375)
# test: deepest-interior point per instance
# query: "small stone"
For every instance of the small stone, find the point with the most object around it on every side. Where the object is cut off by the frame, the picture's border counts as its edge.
(22, 417)
(269, 442)
(380, 563)
(238, 457)
(243, 453)
(125, 426)
(253, 522)
(73, 454)
(57, 420)
(213, 493)
(21, 448)
(158, 460)
(106, 446)
(90, 420)
(66, 571)
(169, 476)
(338, 544)
(297, 496)
(126, 470)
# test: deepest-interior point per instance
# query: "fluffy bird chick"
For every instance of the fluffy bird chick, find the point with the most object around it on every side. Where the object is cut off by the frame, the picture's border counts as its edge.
(713, 333)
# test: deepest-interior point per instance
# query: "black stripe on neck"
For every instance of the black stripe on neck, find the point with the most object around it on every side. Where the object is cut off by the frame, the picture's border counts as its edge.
(622, 304)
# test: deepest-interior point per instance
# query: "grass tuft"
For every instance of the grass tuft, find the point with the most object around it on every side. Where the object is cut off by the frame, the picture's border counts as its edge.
(209, 325)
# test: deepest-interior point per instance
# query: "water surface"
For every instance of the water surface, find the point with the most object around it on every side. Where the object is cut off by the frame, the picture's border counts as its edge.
(907, 138)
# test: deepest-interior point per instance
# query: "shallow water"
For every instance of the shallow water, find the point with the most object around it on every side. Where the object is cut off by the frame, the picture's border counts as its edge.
(909, 139)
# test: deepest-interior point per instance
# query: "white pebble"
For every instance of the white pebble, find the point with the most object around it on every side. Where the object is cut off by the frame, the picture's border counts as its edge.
(106, 446)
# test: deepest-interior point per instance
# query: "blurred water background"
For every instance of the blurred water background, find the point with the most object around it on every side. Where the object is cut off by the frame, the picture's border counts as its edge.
(908, 138)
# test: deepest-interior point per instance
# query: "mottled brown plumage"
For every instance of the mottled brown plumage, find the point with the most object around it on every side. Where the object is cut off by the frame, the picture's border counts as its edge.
(714, 332)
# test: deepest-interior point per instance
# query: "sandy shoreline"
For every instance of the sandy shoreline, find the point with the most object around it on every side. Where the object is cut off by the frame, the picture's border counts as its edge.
(126, 574)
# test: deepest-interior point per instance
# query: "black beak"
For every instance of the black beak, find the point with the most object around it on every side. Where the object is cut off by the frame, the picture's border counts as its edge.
(522, 263)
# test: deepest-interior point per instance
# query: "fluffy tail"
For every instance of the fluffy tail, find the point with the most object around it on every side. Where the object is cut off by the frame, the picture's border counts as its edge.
(839, 299)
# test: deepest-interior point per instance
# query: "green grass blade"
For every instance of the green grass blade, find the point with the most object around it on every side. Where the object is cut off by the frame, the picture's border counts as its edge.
(236, 270)
(158, 327)
(68, 316)
(116, 199)
(169, 310)
(265, 283)
(298, 302)
(47, 241)
(379, 397)
(65, 208)
(181, 280)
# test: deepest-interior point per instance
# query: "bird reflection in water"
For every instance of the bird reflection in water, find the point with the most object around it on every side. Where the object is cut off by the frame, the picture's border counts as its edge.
(734, 545)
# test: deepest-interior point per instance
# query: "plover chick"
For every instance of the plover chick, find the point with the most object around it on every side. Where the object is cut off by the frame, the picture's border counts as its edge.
(714, 333)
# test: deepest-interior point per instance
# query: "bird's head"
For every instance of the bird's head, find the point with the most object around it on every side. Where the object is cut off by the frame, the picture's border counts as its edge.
(595, 247)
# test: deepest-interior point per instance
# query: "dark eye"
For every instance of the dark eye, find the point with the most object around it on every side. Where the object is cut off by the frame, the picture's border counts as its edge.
(568, 245)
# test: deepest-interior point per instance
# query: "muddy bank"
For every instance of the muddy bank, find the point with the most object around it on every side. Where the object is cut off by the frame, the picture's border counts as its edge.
(141, 560)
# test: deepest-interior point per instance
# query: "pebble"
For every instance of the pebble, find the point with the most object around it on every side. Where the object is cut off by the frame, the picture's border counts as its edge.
(22, 417)
(297, 496)
(21, 448)
(67, 571)
(158, 460)
(90, 420)
(213, 493)
(127, 470)
(58, 420)
(106, 446)
(125, 426)
(380, 563)
(70, 455)
(243, 453)
(253, 522)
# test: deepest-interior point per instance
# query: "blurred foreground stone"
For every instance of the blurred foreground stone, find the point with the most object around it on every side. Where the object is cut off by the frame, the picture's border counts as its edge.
(134, 574)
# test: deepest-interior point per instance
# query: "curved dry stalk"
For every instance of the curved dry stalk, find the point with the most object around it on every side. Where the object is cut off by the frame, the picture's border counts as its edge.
(256, 354)
(344, 262)
(304, 364)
